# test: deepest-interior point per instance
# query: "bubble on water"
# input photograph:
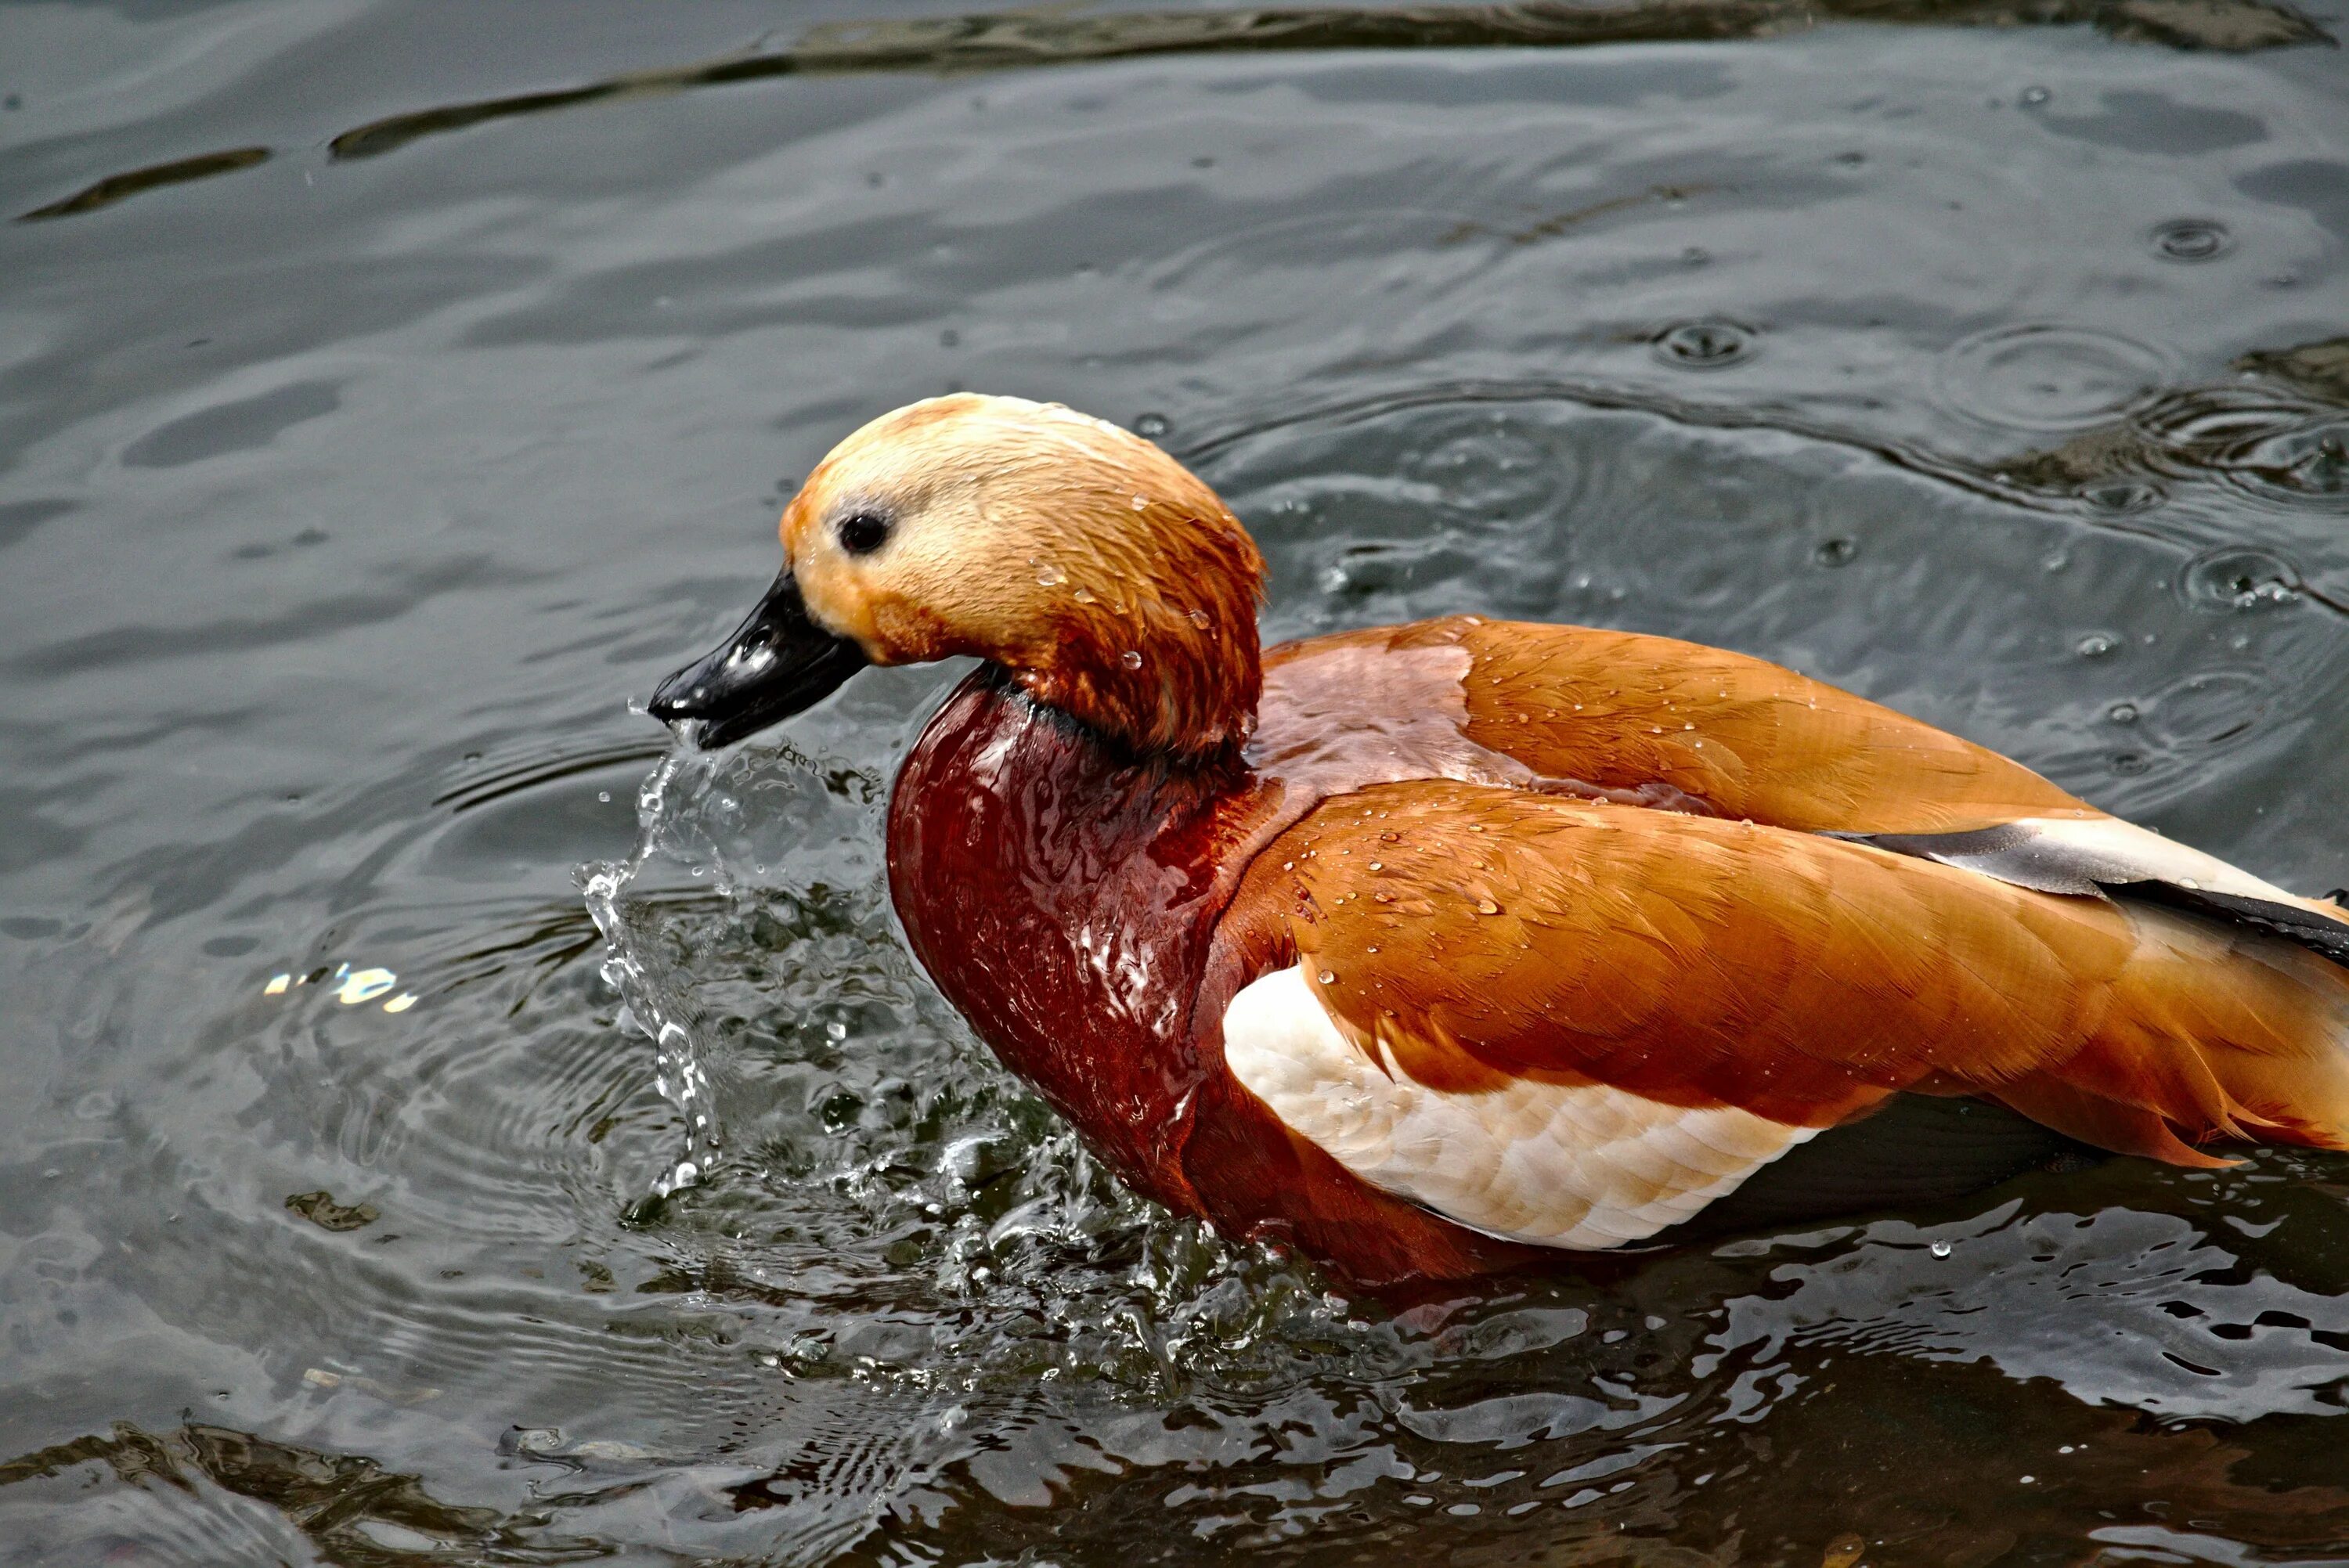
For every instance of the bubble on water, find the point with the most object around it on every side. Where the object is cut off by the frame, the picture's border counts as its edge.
(2239, 577)
(2048, 377)
(2095, 645)
(2033, 96)
(1834, 552)
(2189, 239)
(1152, 425)
(2122, 713)
(1709, 344)
(1941, 1249)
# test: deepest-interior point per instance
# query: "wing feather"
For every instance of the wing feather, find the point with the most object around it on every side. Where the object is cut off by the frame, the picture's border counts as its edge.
(1663, 722)
(1556, 986)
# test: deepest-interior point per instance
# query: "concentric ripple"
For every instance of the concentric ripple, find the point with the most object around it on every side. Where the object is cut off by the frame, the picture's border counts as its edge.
(2049, 377)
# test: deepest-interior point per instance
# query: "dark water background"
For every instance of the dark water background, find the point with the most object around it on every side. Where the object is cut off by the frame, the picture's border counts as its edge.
(383, 401)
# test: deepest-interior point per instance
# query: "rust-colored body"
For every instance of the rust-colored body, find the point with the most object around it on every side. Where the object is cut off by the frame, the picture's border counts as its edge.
(1092, 913)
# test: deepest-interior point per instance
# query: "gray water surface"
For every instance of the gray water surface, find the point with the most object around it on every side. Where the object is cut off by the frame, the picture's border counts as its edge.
(389, 392)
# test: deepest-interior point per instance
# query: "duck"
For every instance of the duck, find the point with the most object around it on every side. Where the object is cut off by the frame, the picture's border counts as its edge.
(1457, 948)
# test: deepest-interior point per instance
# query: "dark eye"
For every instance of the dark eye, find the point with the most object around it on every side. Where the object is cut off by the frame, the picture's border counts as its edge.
(862, 533)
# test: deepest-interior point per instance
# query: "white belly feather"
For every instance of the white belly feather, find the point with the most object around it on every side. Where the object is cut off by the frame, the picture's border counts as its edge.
(1563, 1165)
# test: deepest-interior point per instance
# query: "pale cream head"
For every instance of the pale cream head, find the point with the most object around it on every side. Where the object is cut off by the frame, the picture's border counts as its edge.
(1104, 574)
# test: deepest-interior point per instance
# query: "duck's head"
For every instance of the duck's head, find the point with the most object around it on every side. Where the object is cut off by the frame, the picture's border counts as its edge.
(1099, 572)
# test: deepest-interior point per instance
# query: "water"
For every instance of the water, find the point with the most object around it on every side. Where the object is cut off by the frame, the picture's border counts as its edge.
(655, 998)
(397, 392)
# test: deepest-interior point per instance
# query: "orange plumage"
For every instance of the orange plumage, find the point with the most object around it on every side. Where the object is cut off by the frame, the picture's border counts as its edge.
(1485, 934)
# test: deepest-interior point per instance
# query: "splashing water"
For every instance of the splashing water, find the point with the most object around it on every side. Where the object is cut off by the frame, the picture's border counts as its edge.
(862, 1123)
(655, 998)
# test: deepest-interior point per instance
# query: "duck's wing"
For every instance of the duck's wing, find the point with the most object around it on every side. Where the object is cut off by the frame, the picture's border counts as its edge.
(1744, 736)
(1579, 1024)
(1679, 724)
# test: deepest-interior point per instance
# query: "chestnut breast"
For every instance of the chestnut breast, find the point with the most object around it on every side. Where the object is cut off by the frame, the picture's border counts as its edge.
(1062, 898)
(1070, 902)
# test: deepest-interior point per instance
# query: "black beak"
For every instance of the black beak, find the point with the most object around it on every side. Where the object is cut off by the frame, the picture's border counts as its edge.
(777, 663)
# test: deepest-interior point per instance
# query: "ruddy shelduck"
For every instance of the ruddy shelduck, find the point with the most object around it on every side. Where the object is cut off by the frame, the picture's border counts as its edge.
(1440, 949)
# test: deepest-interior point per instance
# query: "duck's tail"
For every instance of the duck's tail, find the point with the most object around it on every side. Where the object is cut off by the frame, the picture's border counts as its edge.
(2215, 1032)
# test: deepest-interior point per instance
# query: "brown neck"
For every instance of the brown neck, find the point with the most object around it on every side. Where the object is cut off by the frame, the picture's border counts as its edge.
(1184, 698)
(1159, 653)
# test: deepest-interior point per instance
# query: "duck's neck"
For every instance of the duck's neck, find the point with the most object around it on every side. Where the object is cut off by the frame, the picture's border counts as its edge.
(1145, 632)
(1172, 684)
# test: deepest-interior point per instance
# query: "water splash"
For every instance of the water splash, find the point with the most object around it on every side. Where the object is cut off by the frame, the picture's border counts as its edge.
(655, 998)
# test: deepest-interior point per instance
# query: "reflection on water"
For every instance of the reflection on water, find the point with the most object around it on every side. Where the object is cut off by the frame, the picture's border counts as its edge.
(2278, 434)
(119, 187)
(1026, 40)
(1559, 1417)
(1015, 41)
(344, 1509)
(1994, 371)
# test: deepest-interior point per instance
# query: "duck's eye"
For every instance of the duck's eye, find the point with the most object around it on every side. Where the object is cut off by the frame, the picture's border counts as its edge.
(862, 533)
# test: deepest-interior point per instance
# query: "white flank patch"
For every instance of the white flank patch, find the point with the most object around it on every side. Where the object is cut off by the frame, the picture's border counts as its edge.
(1559, 1165)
